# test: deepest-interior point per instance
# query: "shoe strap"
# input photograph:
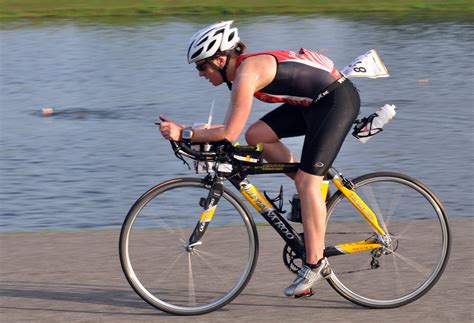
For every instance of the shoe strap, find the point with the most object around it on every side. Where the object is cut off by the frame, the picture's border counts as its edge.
(306, 273)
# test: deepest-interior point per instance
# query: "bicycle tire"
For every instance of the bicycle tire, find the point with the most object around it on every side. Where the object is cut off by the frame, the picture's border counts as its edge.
(158, 266)
(415, 260)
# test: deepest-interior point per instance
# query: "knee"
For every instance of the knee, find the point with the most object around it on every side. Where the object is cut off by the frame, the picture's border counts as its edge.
(306, 182)
(300, 182)
(260, 133)
(252, 136)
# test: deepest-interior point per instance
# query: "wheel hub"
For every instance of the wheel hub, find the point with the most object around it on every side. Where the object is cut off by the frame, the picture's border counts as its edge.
(190, 247)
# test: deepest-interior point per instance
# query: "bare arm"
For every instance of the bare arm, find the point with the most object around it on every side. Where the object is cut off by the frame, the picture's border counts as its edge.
(254, 74)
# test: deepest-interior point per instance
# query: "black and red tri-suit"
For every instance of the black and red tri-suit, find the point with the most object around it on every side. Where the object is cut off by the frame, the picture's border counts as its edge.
(318, 102)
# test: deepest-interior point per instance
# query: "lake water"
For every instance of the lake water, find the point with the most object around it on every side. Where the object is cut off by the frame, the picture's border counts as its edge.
(109, 79)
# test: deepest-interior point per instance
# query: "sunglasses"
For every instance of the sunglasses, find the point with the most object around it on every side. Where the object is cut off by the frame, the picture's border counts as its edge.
(201, 67)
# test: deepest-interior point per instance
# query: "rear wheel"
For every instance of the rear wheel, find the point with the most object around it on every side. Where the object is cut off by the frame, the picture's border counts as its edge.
(406, 268)
(178, 278)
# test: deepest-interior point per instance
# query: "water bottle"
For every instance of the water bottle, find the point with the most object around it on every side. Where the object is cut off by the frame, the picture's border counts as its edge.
(373, 124)
(202, 167)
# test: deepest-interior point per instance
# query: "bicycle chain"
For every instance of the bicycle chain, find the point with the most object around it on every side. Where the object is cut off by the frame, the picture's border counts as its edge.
(353, 271)
(289, 258)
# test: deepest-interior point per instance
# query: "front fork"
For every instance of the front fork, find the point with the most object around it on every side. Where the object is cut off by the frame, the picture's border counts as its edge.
(209, 205)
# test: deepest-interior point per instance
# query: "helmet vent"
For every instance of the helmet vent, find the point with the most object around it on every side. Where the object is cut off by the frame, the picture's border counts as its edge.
(197, 53)
(211, 44)
(211, 40)
(202, 40)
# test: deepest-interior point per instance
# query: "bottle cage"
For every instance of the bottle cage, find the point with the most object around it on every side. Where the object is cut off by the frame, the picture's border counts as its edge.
(364, 124)
(278, 199)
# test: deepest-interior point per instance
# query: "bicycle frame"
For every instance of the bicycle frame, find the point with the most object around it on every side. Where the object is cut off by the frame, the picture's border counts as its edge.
(167, 288)
(275, 218)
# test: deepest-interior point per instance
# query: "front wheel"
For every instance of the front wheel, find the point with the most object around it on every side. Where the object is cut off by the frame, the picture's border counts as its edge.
(165, 270)
(414, 260)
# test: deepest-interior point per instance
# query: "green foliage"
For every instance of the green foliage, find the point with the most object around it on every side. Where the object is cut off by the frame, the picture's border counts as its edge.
(68, 8)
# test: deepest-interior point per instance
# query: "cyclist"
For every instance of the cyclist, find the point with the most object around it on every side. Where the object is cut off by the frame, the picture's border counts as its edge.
(318, 102)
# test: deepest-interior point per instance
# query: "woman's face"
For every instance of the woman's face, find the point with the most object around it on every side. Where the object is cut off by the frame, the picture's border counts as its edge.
(210, 73)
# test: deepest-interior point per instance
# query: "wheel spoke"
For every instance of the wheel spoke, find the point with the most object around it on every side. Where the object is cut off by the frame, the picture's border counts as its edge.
(398, 279)
(212, 267)
(191, 289)
(155, 235)
(173, 230)
(416, 254)
(401, 235)
(166, 274)
(425, 271)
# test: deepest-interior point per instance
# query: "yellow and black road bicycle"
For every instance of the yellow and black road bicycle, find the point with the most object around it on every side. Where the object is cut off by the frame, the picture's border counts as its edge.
(189, 246)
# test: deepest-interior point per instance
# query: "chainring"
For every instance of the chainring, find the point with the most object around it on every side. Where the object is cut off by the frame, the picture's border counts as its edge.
(293, 261)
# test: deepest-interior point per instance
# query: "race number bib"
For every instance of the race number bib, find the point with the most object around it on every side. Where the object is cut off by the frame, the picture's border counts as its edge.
(368, 65)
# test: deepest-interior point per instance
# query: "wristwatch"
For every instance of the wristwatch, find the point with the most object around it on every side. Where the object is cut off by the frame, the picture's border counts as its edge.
(187, 133)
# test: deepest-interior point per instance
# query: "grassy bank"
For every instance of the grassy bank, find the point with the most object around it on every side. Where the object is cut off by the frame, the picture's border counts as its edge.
(85, 8)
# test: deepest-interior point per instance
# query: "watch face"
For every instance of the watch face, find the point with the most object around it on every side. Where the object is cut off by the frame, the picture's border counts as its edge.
(187, 133)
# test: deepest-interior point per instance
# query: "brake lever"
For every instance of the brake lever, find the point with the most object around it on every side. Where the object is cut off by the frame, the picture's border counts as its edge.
(176, 149)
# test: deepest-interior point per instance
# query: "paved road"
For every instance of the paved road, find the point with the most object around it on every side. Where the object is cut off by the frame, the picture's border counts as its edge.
(76, 276)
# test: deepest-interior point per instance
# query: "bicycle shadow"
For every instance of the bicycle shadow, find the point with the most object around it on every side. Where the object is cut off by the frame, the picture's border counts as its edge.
(101, 297)
(279, 301)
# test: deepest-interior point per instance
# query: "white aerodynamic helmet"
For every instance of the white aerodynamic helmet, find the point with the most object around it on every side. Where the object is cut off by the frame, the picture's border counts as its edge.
(219, 37)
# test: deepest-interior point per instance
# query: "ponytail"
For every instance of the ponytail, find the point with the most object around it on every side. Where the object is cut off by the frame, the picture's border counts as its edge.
(240, 48)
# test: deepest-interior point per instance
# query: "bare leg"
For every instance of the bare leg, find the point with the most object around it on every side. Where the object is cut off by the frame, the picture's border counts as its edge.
(313, 214)
(274, 151)
(308, 186)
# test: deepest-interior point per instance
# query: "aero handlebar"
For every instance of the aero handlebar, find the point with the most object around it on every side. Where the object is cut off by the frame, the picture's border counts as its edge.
(182, 147)
(218, 149)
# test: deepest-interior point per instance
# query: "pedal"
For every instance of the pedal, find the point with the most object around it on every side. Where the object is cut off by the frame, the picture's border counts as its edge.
(306, 293)
(326, 272)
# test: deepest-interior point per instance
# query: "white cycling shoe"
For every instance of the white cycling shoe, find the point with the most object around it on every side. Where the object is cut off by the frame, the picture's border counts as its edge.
(306, 280)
